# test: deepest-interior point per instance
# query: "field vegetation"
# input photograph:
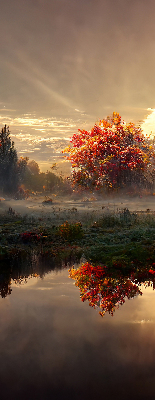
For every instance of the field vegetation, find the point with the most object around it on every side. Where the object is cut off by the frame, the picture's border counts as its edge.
(121, 239)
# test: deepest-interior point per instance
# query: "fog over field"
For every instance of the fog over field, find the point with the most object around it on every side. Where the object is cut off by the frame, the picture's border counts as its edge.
(72, 209)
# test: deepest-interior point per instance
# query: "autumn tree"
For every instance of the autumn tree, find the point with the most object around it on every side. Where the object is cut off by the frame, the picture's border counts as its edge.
(113, 154)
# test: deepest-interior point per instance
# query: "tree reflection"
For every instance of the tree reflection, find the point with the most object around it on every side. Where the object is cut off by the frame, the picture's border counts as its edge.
(5, 285)
(106, 289)
(22, 267)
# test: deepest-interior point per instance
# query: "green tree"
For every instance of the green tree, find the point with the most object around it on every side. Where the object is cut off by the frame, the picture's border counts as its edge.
(21, 168)
(52, 181)
(12, 169)
(8, 162)
(33, 167)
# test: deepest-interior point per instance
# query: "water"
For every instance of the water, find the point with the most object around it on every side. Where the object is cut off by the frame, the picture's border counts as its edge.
(53, 346)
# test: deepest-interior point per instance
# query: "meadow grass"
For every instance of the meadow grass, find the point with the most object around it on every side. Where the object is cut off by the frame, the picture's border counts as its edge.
(111, 238)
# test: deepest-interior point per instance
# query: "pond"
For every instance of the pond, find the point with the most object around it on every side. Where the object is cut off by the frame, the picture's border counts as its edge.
(54, 346)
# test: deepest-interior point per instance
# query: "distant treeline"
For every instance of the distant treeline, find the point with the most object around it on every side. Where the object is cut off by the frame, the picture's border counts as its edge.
(19, 176)
(34, 180)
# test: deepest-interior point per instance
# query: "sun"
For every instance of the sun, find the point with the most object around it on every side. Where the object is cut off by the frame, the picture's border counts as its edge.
(148, 126)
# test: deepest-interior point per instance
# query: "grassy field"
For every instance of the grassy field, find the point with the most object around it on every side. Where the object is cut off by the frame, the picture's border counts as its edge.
(114, 239)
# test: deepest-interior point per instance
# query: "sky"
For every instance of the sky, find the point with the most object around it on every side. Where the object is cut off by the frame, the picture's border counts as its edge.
(65, 64)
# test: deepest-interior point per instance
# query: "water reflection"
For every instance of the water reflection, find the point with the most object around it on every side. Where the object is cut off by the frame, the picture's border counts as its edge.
(106, 289)
(20, 269)
(5, 285)
(55, 347)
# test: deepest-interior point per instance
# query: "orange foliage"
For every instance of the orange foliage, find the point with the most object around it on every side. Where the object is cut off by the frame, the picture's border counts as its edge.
(113, 154)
